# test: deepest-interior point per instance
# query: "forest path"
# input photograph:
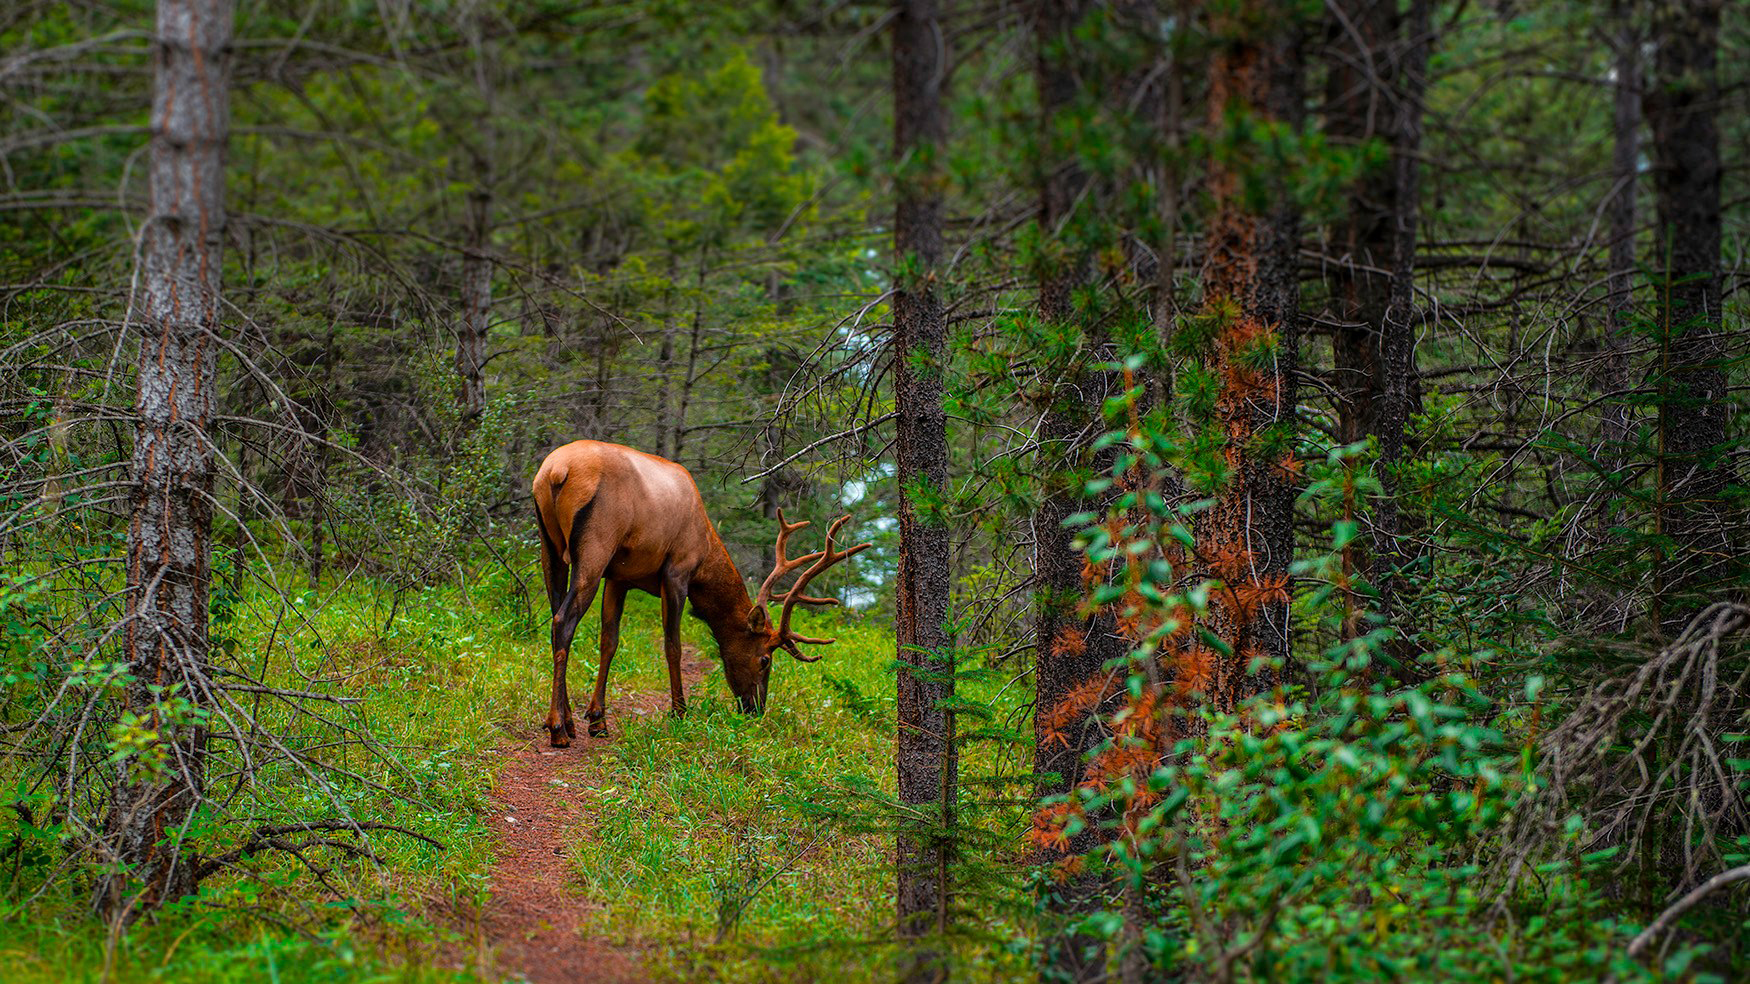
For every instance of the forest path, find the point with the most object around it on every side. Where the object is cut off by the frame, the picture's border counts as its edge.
(533, 926)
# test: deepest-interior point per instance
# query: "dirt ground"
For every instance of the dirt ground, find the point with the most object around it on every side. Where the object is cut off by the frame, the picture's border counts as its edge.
(533, 924)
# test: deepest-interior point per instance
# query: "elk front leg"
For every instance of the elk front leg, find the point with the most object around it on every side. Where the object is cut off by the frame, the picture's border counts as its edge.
(674, 600)
(613, 602)
(560, 729)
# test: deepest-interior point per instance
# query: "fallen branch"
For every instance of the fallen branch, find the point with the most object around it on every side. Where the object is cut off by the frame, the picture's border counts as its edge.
(1685, 904)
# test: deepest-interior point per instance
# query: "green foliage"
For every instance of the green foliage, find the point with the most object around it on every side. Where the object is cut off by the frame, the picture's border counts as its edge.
(1341, 827)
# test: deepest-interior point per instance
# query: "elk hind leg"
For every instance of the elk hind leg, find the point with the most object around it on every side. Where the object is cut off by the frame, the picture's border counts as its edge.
(613, 603)
(555, 575)
(560, 729)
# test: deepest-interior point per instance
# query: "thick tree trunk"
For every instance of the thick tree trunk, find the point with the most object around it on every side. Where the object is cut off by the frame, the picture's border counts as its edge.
(476, 306)
(1377, 76)
(925, 759)
(1682, 108)
(1070, 648)
(1247, 538)
(1359, 107)
(164, 639)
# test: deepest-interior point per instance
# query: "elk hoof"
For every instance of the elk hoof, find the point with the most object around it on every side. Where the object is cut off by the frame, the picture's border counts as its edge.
(559, 737)
(598, 724)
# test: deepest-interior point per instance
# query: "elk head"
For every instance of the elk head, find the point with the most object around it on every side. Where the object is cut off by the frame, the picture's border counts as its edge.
(747, 659)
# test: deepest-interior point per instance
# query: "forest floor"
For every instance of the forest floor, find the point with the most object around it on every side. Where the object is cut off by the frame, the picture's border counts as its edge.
(536, 925)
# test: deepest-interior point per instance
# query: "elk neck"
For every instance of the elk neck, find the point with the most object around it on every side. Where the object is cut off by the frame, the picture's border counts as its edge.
(718, 594)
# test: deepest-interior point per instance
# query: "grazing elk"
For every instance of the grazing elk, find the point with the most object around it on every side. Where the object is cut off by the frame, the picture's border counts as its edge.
(634, 520)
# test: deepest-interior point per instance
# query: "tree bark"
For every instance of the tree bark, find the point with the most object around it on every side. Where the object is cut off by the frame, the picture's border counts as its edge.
(925, 760)
(1624, 169)
(476, 305)
(665, 369)
(1071, 648)
(1682, 108)
(1246, 539)
(1375, 85)
(1398, 397)
(690, 378)
(164, 639)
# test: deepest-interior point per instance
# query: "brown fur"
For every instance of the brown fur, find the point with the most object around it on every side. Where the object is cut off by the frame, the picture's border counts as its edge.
(613, 516)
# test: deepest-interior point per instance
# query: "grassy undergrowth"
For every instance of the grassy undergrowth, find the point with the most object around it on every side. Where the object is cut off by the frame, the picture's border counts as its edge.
(708, 843)
(727, 847)
(439, 678)
(737, 848)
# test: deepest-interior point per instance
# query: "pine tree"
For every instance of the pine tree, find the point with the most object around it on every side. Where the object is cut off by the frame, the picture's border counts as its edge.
(1251, 295)
(1682, 107)
(169, 564)
(925, 755)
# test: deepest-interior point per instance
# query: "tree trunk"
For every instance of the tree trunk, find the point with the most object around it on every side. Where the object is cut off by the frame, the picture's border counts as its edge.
(1397, 398)
(691, 377)
(1247, 538)
(664, 368)
(1682, 108)
(1070, 648)
(1624, 169)
(476, 306)
(1358, 108)
(316, 434)
(605, 347)
(925, 760)
(164, 639)
(1375, 85)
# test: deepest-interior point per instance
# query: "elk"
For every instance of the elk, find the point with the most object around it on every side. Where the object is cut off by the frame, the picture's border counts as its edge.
(608, 513)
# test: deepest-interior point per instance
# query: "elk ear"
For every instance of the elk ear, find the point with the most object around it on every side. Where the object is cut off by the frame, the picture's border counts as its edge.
(758, 620)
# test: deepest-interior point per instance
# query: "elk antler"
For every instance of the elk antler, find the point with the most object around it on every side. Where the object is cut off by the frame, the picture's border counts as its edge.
(818, 561)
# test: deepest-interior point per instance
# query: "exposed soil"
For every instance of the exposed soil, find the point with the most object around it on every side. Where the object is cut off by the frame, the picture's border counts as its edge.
(533, 926)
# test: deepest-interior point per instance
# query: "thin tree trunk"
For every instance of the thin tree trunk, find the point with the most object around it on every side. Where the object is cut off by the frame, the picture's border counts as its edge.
(1693, 473)
(665, 368)
(691, 377)
(317, 433)
(1624, 170)
(1398, 326)
(599, 393)
(1250, 287)
(1166, 297)
(476, 305)
(165, 640)
(1071, 649)
(925, 760)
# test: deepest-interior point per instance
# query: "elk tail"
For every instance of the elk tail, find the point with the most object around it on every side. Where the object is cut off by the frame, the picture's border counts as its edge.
(546, 488)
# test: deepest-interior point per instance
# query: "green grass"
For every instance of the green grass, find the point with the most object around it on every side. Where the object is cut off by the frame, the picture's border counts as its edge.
(710, 845)
(726, 846)
(438, 690)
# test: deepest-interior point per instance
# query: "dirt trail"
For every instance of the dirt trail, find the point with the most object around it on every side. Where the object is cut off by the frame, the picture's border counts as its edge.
(532, 926)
